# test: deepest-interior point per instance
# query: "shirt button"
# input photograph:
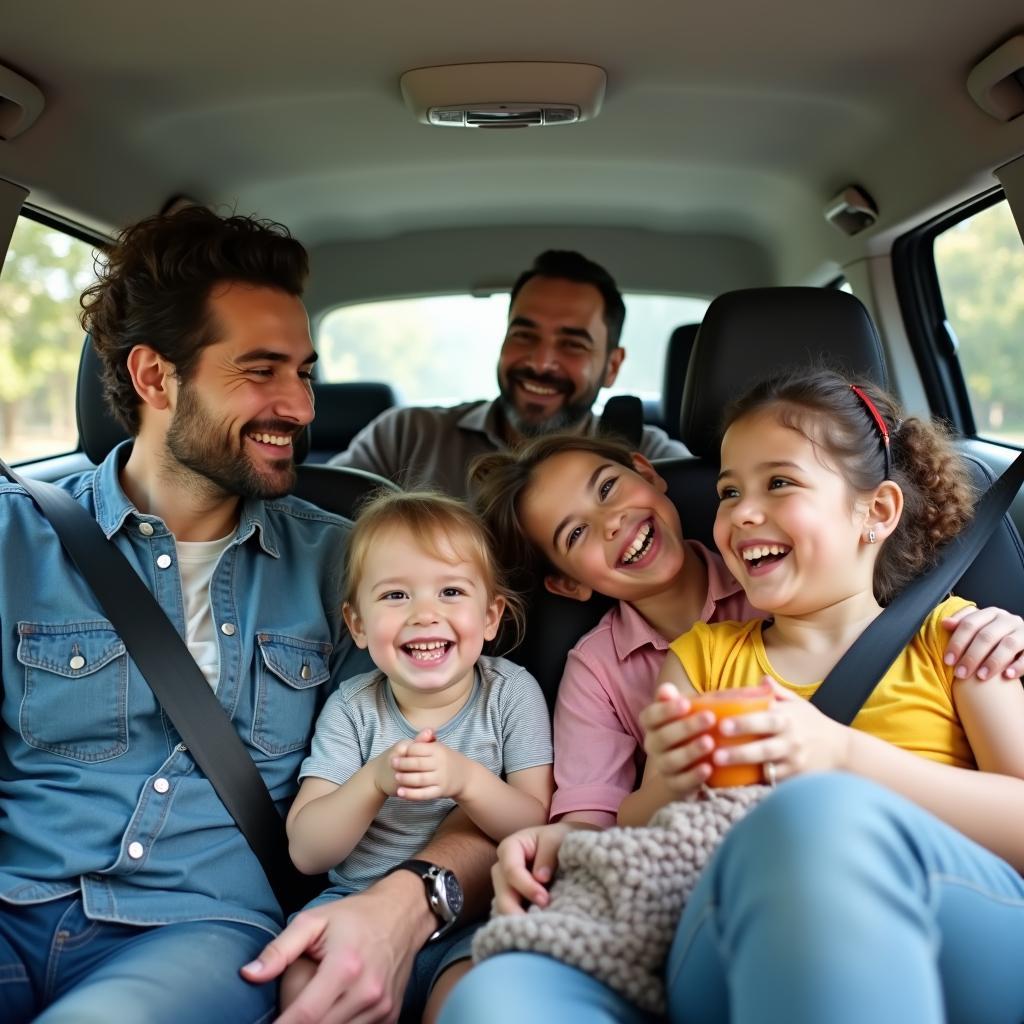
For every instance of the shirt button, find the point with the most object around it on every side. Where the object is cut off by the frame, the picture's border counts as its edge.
(135, 851)
(228, 629)
(164, 561)
(161, 785)
(146, 529)
(305, 671)
(182, 748)
(76, 663)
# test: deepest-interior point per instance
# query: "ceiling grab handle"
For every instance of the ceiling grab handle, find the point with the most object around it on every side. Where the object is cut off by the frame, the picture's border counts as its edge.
(996, 82)
(21, 103)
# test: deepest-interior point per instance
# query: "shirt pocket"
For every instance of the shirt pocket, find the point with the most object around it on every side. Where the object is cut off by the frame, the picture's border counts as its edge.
(289, 673)
(75, 702)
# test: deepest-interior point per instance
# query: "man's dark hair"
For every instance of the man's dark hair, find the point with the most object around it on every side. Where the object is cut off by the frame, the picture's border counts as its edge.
(152, 289)
(573, 266)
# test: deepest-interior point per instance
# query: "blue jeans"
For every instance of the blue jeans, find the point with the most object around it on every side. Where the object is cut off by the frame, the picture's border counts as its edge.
(834, 900)
(58, 966)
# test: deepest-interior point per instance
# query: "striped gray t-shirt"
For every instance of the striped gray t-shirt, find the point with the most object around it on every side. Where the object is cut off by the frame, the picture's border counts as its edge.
(504, 726)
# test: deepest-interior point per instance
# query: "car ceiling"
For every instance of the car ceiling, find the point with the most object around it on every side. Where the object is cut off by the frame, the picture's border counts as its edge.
(732, 121)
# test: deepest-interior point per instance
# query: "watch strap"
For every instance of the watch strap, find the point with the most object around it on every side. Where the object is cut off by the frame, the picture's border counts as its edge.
(417, 867)
(430, 873)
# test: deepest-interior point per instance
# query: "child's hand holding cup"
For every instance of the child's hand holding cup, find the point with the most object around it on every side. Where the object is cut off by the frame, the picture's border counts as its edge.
(726, 704)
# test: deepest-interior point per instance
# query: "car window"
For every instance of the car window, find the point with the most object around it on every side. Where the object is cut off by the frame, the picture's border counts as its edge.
(980, 267)
(43, 275)
(444, 349)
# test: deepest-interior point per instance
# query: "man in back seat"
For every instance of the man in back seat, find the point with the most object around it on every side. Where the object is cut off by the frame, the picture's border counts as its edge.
(561, 347)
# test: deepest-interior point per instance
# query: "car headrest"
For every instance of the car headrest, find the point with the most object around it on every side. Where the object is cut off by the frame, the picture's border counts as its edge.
(754, 333)
(677, 358)
(623, 419)
(342, 410)
(99, 433)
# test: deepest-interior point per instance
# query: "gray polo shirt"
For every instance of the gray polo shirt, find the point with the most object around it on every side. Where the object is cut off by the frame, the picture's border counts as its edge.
(432, 446)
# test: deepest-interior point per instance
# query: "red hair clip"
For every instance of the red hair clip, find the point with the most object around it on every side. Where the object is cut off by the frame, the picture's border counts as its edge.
(880, 423)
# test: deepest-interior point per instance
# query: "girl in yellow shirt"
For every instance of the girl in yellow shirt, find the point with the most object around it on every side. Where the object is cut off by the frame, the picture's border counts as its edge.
(882, 881)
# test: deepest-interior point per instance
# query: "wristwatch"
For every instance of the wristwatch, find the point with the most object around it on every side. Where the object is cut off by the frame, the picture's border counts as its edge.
(444, 894)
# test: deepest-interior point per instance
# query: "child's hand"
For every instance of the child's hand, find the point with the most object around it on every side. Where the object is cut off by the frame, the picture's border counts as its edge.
(793, 735)
(526, 864)
(383, 772)
(675, 740)
(426, 769)
(985, 642)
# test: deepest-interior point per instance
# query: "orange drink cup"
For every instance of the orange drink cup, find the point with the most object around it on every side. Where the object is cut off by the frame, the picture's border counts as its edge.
(724, 704)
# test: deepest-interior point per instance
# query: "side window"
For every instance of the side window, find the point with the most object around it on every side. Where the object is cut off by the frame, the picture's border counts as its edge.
(44, 273)
(444, 350)
(980, 267)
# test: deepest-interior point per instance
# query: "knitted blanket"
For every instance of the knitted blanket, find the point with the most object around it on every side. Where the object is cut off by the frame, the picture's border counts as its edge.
(616, 900)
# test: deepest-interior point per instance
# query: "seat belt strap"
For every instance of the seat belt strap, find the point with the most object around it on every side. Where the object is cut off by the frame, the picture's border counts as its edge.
(166, 664)
(852, 681)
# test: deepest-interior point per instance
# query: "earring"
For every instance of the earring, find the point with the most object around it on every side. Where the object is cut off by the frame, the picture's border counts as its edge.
(871, 537)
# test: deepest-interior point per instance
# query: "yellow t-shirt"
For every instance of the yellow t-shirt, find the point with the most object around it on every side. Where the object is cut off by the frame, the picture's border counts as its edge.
(912, 707)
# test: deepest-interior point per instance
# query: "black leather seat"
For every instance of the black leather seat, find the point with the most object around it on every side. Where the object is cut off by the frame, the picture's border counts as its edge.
(746, 336)
(342, 410)
(677, 359)
(623, 419)
(337, 489)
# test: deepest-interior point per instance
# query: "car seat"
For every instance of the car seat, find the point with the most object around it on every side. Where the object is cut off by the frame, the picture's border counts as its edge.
(342, 410)
(677, 359)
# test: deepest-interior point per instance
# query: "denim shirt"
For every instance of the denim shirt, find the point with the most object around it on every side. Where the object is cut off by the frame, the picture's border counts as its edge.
(97, 794)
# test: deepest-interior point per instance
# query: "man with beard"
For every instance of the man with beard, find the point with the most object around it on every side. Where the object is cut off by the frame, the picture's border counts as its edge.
(126, 889)
(561, 347)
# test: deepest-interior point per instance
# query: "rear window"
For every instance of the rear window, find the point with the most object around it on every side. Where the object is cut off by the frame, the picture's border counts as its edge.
(980, 268)
(444, 349)
(44, 273)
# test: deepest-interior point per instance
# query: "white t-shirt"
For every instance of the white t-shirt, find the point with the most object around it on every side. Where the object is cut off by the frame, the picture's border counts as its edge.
(196, 562)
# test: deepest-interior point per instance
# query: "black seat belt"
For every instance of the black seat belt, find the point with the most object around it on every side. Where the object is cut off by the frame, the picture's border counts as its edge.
(177, 682)
(847, 687)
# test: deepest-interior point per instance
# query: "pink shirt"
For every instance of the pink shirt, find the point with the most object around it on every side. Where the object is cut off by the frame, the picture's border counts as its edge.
(609, 679)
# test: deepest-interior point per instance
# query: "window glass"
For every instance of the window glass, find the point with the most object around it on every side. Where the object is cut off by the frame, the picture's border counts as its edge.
(44, 273)
(443, 350)
(980, 265)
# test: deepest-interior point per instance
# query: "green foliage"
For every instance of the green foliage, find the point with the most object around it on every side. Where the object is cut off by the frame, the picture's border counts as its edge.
(43, 275)
(980, 264)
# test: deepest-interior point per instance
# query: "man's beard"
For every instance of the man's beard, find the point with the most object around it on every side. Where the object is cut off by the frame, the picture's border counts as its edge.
(568, 417)
(199, 443)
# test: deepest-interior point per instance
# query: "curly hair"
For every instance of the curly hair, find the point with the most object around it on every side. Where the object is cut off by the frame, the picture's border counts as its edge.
(498, 481)
(431, 519)
(938, 496)
(152, 289)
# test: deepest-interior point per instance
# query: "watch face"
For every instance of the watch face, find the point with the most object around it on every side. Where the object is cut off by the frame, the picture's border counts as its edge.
(453, 893)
